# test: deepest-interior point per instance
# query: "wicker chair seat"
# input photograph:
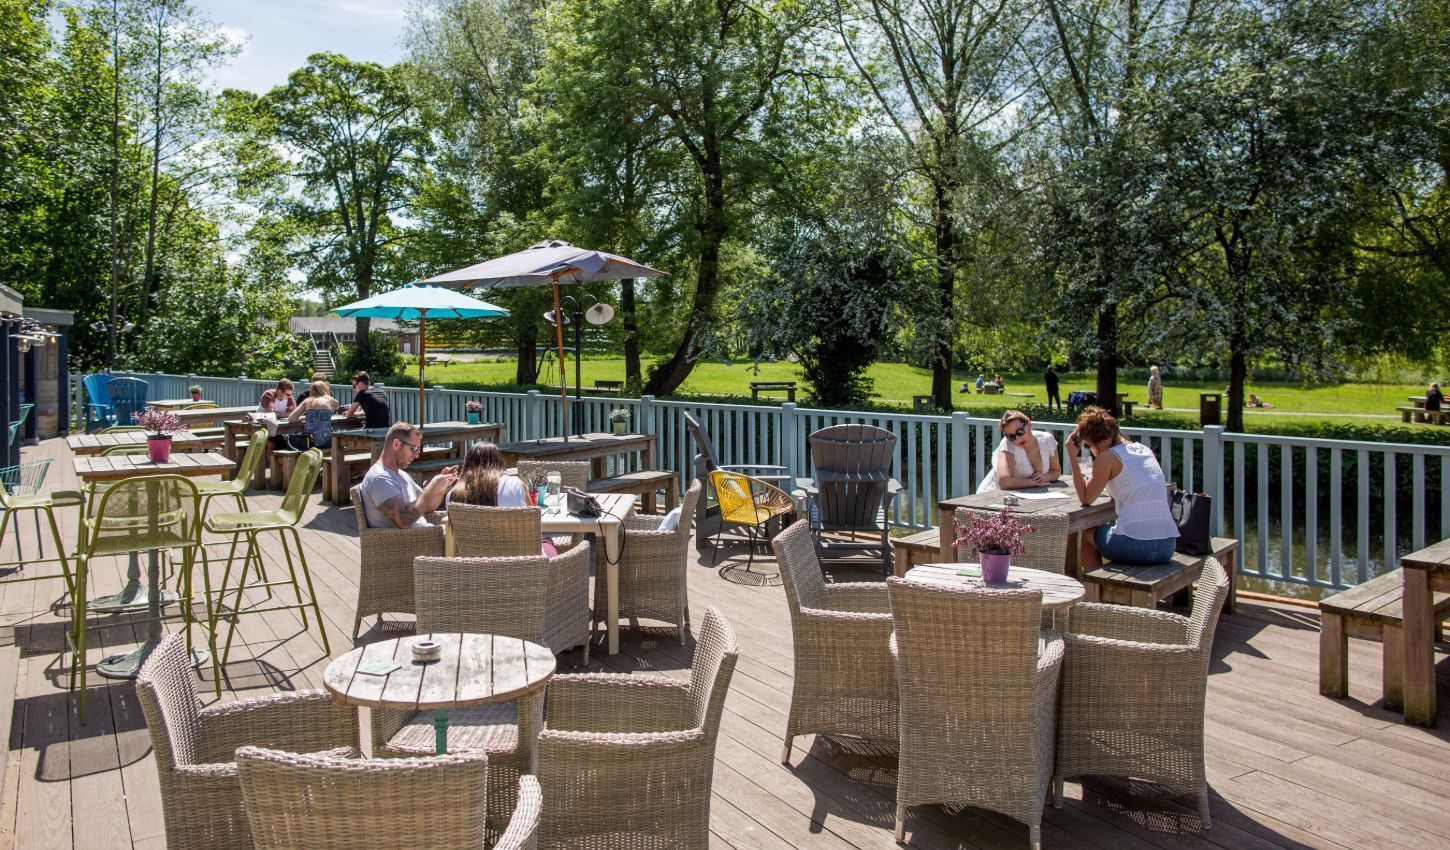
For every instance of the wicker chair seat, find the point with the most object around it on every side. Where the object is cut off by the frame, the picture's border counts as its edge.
(491, 728)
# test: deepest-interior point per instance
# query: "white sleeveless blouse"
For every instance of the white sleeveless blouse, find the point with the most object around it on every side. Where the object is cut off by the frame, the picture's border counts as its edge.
(1140, 495)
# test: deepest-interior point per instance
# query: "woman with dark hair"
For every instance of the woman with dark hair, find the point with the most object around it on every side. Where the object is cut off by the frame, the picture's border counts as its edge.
(1024, 458)
(1144, 532)
(482, 480)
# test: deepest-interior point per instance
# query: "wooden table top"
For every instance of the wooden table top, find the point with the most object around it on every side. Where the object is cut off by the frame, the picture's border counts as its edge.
(579, 446)
(94, 444)
(117, 467)
(473, 670)
(431, 431)
(1058, 591)
(1435, 558)
(213, 414)
(616, 507)
(177, 403)
(1101, 511)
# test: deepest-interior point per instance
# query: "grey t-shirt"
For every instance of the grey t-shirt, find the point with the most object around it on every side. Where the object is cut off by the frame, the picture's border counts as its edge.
(382, 484)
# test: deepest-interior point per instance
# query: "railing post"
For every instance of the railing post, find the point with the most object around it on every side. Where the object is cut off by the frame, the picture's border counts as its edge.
(435, 401)
(648, 424)
(532, 412)
(1213, 475)
(960, 457)
(790, 438)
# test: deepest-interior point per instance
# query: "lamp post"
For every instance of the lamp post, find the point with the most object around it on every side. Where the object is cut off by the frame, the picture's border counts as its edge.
(595, 313)
(110, 329)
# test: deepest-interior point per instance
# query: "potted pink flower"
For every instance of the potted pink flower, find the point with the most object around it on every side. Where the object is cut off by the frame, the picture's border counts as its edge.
(159, 425)
(996, 538)
(195, 390)
(474, 409)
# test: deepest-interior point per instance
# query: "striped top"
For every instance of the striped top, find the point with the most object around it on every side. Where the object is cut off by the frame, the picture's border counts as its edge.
(1140, 495)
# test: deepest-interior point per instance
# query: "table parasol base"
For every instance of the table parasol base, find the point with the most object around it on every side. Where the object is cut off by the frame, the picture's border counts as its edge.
(128, 664)
(134, 597)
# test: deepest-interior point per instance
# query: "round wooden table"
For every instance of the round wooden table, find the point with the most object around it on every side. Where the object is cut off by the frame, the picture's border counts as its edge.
(1058, 591)
(472, 670)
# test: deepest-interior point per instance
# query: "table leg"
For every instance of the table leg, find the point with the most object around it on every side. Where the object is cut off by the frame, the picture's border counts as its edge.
(611, 593)
(134, 596)
(440, 731)
(946, 530)
(229, 443)
(1419, 649)
(339, 472)
(128, 665)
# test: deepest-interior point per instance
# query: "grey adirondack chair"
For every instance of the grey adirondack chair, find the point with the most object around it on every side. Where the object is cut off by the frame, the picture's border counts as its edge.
(852, 488)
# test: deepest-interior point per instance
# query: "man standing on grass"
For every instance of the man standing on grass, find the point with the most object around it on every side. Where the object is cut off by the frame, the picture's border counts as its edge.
(1050, 378)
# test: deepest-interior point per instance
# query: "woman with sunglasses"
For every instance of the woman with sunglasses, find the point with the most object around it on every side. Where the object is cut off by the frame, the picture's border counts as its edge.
(1024, 458)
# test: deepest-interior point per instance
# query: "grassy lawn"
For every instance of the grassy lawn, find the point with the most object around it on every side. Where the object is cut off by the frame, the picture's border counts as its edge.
(897, 383)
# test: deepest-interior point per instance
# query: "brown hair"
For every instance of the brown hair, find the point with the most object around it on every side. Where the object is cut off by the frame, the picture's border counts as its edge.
(362, 378)
(479, 477)
(1097, 425)
(284, 384)
(1012, 416)
(399, 431)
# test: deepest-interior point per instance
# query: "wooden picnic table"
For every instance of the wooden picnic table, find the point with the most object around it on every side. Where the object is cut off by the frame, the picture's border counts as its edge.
(758, 387)
(212, 415)
(118, 467)
(471, 670)
(1080, 518)
(238, 432)
(595, 447)
(1425, 572)
(459, 434)
(177, 403)
(94, 444)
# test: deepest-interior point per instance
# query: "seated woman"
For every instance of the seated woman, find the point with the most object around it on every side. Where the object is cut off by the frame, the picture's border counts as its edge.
(1144, 532)
(482, 480)
(316, 411)
(1024, 458)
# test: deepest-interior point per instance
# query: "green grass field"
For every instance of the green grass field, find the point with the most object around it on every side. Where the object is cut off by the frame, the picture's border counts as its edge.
(896, 383)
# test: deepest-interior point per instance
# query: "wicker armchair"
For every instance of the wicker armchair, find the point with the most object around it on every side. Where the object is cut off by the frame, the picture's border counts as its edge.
(499, 596)
(323, 802)
(627, 761)
(385, 572)
(845, 679)
(652, 568)
(978, 700)
(494, 532)
(1045, 548)
(1133, 692)
(201, 798)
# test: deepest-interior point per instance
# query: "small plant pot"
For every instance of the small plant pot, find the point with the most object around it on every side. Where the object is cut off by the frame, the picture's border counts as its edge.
(994, 566)
(196, 396)
(158, 448)
(474, 417)
(621, 428)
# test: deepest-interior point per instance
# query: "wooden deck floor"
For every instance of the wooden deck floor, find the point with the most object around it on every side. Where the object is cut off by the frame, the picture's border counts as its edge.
(1288, 768)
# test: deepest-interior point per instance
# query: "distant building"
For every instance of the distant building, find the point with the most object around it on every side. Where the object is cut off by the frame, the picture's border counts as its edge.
(326, 330)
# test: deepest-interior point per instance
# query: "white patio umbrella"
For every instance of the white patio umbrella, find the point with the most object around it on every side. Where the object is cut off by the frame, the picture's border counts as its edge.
(549, 262)
(421, 303)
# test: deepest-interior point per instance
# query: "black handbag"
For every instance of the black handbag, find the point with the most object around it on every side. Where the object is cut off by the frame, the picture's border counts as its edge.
(580, 503)
(1191, 514)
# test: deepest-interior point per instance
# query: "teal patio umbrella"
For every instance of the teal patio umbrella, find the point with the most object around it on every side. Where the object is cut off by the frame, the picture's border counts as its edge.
(421, 303)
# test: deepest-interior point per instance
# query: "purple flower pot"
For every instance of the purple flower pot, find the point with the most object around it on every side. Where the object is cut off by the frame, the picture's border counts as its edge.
(158, 449)
(994, 566)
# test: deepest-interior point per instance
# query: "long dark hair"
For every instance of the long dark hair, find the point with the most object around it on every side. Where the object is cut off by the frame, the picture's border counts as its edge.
(479, 477)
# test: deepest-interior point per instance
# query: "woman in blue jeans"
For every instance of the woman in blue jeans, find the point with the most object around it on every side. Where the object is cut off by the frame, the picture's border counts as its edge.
(1144, 532)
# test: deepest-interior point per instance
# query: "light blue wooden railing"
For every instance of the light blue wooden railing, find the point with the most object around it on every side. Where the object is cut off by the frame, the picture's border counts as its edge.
(1286, 537)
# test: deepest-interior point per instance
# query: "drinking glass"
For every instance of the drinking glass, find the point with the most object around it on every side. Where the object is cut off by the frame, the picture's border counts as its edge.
(555, 482)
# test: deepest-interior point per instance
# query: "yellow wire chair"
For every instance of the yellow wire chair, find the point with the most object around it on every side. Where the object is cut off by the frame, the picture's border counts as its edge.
(200, 405)
(143, 514)
(749, 503)
(20, 491)
(250, 524)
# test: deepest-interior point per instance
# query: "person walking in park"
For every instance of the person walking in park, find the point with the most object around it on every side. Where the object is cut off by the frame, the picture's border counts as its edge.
(1155, 388)
(1434, 399)
(1050, 378)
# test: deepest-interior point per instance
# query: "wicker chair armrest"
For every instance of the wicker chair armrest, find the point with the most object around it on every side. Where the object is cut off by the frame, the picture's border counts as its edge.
(609, 703)
(1049, 658)
(1095, 649)
(860, 597)
(622, 742)
(302, 722)
(220, 774)
(523, 829)
(637, 524)
(386, 545)
(436, 517)
(1119, 622)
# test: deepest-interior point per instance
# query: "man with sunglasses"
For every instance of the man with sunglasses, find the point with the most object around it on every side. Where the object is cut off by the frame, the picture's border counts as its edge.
(371, 402)
(391, 498)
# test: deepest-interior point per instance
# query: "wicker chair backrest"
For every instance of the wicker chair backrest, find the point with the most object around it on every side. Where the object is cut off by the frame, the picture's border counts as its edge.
(1044, 549)
(572, 473)
(492, 596)
(1208, 601)
(494, 532)
(710, 672)
(166, 689)
(320, 802)
(800, 567)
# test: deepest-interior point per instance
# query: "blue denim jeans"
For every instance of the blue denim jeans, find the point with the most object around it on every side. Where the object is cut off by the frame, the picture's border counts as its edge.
(1121, 549)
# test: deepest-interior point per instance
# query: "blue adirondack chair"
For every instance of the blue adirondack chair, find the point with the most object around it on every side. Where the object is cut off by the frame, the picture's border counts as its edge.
(128, 396)
(17, 424)
(98, 402)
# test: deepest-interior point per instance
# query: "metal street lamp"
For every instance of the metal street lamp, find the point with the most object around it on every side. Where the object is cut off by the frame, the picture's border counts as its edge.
(596, 313)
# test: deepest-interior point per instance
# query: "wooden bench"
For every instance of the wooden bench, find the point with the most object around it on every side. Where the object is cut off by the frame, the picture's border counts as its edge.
(1371, 611)
(1420, 414)
(758, 387)
(646, 483)
(920, 548)
(607, 388)
(1145, 587)
(438, 359)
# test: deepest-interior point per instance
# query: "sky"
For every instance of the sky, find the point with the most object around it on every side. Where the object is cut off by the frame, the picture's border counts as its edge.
(281, 34)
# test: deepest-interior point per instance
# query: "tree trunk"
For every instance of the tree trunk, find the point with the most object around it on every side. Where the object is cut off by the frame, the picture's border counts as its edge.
(631, 333)
(1238, 373)
(148, 277)
(1108, 359)
(941, 365)
(115, 186)
(528, 368)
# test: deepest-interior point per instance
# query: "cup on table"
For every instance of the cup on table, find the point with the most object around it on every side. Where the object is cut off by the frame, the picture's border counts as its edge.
(555, 483)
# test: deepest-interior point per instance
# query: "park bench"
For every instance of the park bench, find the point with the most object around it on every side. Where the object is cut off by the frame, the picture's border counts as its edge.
(1126, 404)
(1145, 587)
(924, 547)
(923, 404)
(438, 359)
(989, 389)
(758, 387)
(607, 388)
(1370, 610)
(1420, 414)
(644, 483)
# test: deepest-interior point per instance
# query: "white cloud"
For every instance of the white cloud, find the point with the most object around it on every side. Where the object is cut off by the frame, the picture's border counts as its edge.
(372, 10)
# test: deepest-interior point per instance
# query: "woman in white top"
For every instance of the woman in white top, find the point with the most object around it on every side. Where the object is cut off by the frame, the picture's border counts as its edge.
(1144, 532)
(1024, 458)
(482, 480)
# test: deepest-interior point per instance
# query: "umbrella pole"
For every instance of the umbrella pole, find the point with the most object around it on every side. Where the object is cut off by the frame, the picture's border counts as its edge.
(563, 377)
(422, 362)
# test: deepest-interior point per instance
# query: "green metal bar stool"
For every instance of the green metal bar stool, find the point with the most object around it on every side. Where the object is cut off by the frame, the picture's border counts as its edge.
(236, 487)
(251, 524)
(20, 491)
